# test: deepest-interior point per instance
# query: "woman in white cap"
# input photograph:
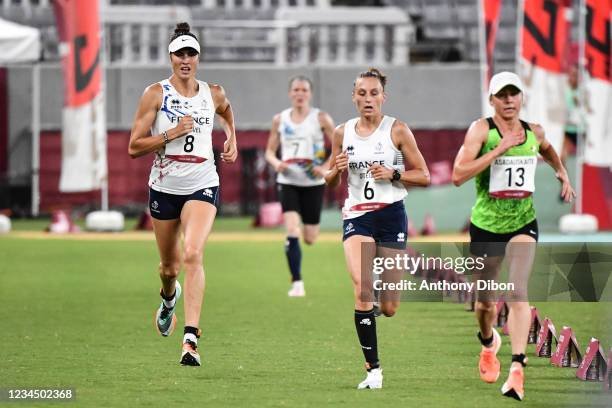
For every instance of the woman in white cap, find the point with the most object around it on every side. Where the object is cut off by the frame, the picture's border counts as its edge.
(174, 120)
(299, 132)
(373, 148)
(501, 152)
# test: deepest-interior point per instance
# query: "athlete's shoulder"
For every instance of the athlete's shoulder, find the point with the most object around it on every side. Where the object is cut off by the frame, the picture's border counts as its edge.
(276, 119)
(339, 130)
(214, 88)
(152, 96)
(480, 127)
(399, 126)
(154, 89)
(537, 129)
(324, 118)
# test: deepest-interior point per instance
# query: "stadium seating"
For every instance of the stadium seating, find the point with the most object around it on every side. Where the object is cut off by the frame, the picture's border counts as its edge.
(250, 30)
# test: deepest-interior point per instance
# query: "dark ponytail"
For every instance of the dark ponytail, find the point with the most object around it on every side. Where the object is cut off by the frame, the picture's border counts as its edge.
(182, 29)
(373, 73)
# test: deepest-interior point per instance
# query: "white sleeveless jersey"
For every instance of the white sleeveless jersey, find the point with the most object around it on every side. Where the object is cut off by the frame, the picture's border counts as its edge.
(186, 164)
(302, 148)
(365, 193)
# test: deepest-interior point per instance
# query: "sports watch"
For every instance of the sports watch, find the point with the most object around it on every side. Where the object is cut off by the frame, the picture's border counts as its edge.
(396, 175)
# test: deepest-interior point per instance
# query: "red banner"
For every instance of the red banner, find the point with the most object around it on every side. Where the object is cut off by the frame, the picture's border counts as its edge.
(597, 46)
(491, 21)
(544, 39)
(545, 33)
(78, 28)
(83, 117)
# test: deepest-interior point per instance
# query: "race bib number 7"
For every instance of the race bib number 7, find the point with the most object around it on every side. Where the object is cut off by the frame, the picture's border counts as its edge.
(512, 176)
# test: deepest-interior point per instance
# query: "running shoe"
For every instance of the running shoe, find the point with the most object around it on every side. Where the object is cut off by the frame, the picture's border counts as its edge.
(489, 365)
(297, 289)
(190, 355)
(165, 319)
(513, 387)
(373, 380)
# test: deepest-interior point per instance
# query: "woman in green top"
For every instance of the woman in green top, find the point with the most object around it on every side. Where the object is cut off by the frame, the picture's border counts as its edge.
(501, 154)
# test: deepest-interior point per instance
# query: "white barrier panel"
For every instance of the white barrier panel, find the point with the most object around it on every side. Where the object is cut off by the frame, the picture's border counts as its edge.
(578, 223)
(5, 224)
(105, 221)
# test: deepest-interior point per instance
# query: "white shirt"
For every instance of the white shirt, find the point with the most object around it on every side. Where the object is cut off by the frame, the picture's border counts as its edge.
(365, 193)
(302, 148)
(186, 164)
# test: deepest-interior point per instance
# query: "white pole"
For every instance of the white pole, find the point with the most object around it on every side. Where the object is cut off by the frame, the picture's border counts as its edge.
(482, 53)
(520, 17)
(581, 77)
(35, 138)
(102, 31)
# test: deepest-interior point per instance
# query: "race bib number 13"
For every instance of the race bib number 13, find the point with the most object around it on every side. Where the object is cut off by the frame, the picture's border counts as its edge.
(512, 176)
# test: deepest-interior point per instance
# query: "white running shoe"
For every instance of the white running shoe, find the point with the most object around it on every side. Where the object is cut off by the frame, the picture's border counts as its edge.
(190, 355)
(297, 289)
(373, 380)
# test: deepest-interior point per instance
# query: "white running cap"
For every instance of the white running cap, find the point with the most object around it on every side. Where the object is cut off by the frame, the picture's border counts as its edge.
(184, 41)
(503, 79)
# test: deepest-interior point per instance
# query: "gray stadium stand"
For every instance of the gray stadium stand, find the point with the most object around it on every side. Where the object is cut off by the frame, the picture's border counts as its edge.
(238, 31)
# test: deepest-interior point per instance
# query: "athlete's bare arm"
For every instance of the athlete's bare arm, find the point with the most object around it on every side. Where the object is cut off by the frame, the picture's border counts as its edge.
(141, 140)
(223, 108)
(272, 146)
(403, 139)
(467, 162)
(327, 126)
(550, 156)
(339, 158)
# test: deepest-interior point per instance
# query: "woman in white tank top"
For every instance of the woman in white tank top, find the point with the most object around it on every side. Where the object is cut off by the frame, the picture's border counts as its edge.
(174, 120)
(372, 149)
(299, 132)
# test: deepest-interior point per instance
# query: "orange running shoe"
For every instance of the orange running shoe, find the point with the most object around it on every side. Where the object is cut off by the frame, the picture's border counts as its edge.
(489, 365)
(513, 387)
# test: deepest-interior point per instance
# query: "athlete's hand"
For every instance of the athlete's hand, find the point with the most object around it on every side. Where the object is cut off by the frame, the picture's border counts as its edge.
(379, 172)
(567, 192)
(342, 161)
(319, 171)
(281, 167)
(184, 127)
(511, 140)
(230, 151)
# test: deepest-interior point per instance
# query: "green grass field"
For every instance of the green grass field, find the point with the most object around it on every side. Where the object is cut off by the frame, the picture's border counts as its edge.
(80, 314)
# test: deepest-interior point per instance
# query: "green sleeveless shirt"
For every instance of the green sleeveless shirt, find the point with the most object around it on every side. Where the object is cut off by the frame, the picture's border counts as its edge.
(503, 215)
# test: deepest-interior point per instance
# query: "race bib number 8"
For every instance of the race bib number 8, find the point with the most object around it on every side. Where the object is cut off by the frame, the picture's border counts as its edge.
(188, 148)
(512, 176)
(195, 147)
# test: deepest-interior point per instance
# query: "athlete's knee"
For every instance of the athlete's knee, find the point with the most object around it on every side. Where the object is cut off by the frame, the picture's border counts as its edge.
(517, 295)
(515, 305)
(310, 239)
(311, 233)
(169, 269)
(363, 294)
(293, 232)
(192, 256)
(389, 308)
(485, 306)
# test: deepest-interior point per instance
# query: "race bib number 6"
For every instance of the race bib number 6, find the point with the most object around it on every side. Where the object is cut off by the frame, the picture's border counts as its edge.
(512, 176)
